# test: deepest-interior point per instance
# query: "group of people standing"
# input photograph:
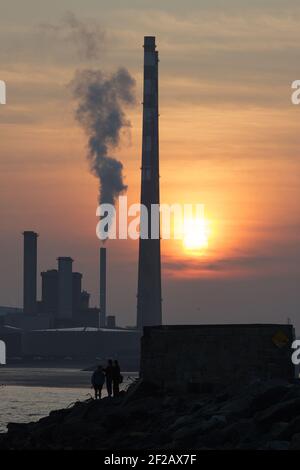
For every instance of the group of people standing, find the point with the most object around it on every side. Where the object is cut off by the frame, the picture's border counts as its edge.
(111, 375)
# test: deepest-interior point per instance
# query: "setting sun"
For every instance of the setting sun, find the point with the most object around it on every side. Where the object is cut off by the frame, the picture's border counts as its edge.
(195, 234)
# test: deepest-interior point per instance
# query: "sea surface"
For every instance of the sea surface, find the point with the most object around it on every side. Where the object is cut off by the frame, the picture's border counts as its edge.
(28, 394)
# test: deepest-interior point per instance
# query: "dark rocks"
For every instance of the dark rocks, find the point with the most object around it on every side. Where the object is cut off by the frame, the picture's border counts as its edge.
(295, 442)
(289, 429)
(282, 411)
(265, 416)
(113, 421)
(270, 397)
(238, 407)
(276, 445)
(18, 429)
(239, 432)
(279, 430)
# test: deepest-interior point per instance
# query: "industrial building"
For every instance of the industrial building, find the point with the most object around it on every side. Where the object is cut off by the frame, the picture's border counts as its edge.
(62, 326)
(84, 344)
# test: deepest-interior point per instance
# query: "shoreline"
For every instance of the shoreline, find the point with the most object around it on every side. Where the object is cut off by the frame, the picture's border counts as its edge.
(50, 377)
(264, 415)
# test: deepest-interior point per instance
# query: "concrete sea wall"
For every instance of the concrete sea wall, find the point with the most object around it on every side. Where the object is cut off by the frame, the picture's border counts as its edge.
(195, 356)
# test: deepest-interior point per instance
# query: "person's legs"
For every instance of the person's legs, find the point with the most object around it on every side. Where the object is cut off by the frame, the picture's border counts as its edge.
(109, 387)
(95, 389)
(116, 388)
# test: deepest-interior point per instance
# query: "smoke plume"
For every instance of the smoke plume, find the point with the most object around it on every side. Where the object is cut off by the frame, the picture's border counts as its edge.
(87, 37)
(101, 100)
(100, 111)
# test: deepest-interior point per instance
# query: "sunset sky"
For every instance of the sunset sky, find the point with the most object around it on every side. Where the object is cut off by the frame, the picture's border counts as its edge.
(229, 139)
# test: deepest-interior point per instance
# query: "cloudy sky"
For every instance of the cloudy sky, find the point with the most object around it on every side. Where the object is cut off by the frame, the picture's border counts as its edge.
(229, 139)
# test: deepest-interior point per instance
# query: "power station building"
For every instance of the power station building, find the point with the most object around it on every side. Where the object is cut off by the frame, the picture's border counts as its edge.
(62, 325)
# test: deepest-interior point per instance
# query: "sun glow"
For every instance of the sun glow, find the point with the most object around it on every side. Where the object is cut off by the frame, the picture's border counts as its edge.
(195, 234)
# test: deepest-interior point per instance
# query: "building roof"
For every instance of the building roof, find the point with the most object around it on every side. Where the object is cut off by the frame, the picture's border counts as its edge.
(5, 310)
(90, 328)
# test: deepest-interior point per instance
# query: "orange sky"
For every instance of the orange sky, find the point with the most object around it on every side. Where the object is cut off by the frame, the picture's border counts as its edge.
(229, 139)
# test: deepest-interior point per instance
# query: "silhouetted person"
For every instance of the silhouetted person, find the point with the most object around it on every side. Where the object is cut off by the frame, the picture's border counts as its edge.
(116, 378)
(98, 379)
(109, 377)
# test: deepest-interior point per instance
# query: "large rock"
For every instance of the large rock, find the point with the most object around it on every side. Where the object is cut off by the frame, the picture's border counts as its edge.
(278, 430)
(239, 407)
(231, 435)
(289, 429)
(284, 411)
(295, 442)
(276, 445)
(271, 396)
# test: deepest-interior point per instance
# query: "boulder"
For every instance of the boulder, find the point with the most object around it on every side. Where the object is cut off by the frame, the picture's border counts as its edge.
(269, 397)
(283, 411)
(295, 442)
(238, 407)
(291, 428)
(276, 445)
(278, 430)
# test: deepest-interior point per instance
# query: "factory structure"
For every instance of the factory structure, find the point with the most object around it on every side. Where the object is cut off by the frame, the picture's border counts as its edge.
(62, 324)
(64, 303)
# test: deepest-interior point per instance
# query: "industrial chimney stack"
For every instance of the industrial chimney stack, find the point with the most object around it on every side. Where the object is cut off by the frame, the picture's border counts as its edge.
(30, 272)
(102, 321)
(149, 310)
(65, 288)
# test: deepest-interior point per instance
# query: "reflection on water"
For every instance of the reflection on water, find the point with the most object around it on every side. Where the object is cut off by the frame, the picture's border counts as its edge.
(22, 403)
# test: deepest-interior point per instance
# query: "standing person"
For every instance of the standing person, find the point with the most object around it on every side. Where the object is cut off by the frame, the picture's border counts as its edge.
(97, 380)
(116, 378)
(109, 377)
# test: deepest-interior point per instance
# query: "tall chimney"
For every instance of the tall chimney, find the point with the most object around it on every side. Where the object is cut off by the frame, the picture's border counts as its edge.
(50, 291)
(29, 272)
(102, 286)
(76, 292)
(65, 291)
(149, 310)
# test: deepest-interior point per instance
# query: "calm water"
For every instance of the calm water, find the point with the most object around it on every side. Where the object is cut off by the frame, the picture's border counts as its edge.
(28, 395)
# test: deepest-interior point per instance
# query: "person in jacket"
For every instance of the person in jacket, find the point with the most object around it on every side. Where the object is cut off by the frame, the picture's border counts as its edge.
(98, 379)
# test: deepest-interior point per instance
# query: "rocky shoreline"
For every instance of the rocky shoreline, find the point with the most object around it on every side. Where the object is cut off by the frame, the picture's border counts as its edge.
(264, 416)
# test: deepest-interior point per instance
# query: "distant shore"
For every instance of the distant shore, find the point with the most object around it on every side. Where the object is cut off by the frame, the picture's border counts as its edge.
(64, 376)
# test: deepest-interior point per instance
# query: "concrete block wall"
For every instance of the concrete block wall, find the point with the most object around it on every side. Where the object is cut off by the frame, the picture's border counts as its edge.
(184, 357)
